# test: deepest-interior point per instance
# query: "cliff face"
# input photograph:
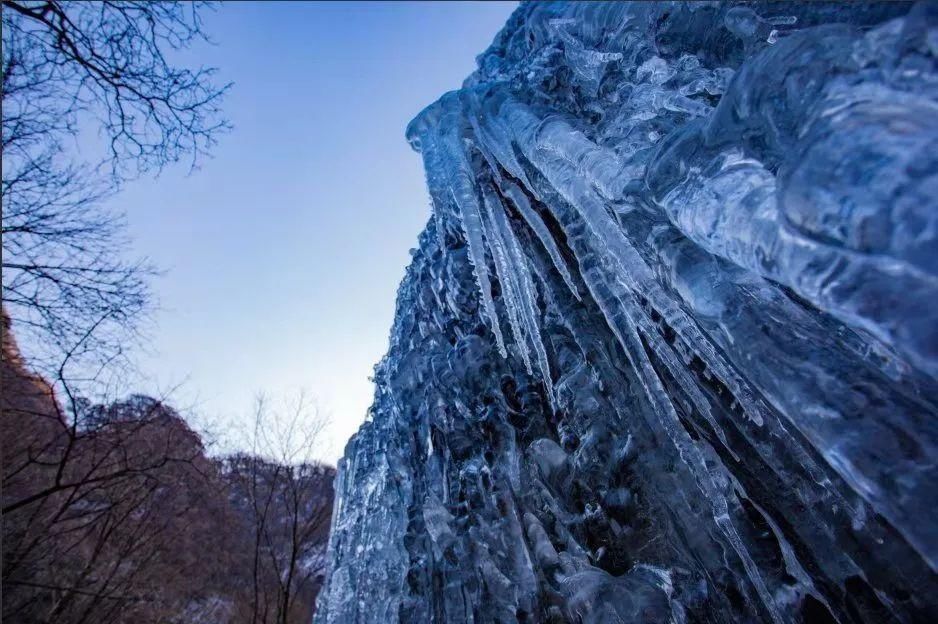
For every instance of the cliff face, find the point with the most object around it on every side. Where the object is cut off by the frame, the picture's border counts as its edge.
(667, 349)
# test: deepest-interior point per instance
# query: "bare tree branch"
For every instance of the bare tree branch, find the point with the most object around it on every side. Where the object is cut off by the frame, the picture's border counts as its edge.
(68, 69)
(290, 501)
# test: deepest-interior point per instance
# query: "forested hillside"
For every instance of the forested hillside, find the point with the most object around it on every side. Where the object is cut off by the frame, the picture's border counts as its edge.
(115, 513)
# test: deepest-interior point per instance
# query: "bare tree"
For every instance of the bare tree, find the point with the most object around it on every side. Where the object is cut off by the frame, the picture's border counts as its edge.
(106, 507)
(289, 501)
(92, 495)
(100, 518)
(70, 69)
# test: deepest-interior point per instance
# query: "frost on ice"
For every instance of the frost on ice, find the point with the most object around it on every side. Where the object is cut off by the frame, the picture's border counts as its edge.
(668, 350)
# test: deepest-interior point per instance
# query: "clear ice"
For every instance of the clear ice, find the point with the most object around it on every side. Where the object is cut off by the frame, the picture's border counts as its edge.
(668, 349)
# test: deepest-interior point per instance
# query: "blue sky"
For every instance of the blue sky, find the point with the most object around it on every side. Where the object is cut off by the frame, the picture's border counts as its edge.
(284, 252)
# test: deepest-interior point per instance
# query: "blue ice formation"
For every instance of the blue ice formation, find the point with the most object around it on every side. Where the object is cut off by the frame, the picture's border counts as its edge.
(668, 349)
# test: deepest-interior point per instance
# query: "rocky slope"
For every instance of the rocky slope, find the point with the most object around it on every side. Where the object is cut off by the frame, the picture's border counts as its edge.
(668, 349)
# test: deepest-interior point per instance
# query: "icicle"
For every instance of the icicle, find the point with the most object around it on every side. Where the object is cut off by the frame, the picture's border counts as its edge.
(471, 106)
(637, 277)
(624, 327)
(678, 371)
(633, 271)
(592, 162)
(529, 309)
(534, 220)
(496, 134)
(461, 186)
(507, 279)
(486, 144)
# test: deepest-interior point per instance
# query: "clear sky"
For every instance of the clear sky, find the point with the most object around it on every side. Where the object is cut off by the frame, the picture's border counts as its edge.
(284, 252)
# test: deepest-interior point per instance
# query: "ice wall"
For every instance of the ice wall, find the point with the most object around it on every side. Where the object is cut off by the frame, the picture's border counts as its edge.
(668, 348)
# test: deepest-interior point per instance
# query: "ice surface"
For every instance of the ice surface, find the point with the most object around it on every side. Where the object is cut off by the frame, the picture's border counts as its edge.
(710, 234)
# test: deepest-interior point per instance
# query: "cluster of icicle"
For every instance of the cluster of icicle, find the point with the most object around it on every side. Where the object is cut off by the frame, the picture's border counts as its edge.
(829, 190)
(746, 198)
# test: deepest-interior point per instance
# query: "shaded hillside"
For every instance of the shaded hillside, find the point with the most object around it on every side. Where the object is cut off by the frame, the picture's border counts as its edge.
(116, 514)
